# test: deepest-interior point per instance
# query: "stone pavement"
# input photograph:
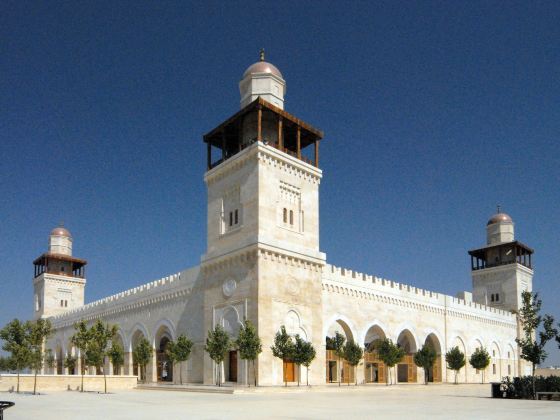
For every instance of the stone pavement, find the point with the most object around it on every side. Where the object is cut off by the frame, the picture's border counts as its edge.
(363, 402)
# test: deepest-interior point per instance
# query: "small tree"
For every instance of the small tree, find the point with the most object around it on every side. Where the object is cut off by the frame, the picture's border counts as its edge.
(180, 352)
(49, 359)
(101, 334)
(116, 356)
(425, 358)
(353, 353)
(16, 343)
(308, 355)
(217, 343)
(336, 344)
(249, 345)
(141, 355)
(390, 354)
(480, 359)
(37, 333)
(532, 349)
(70, 362)
(81, 340)
(283, 347)
(455, 360)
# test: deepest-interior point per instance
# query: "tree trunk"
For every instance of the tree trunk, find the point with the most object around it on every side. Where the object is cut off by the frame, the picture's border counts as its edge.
(35, 383)
(181, 372)
(307, 375)
(299, 371)
(105, 379)
(254, 372)
(456, 373)
(17, 389)
(534, 390)
(426, 376)
(356, 374)
(386, 375)
(339, 370)
(82, 385)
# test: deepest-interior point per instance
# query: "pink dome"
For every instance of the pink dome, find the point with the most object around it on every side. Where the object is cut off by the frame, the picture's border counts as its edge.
(60, 231)
(500, 218)
(262, 67)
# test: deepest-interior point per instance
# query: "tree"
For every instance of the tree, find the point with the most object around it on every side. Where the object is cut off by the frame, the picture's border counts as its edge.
(100, 335)
(180, 352)
(425, 358)
(141, 355)
(81, 340)
(336, 344)
(480, 359)
(116, 356)
(532, 349)
(217, 343)
(283, 347)
(249, 345)
(353, 353)
(16, 343)
(70, 362)
(49, 359)
(305, 353)
(37, 333)
(455, 360)
(390, 354)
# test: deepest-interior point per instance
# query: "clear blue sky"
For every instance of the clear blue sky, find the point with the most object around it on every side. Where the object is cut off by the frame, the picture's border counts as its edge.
(433, 113)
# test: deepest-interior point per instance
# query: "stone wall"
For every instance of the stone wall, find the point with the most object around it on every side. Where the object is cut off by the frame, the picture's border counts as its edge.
(47, 383)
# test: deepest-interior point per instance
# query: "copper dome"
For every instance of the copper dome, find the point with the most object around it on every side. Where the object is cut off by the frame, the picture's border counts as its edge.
(60, 231)
(262, 67)
(499, 218)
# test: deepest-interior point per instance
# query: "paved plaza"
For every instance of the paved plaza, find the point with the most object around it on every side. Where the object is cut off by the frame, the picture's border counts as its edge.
(405, 401)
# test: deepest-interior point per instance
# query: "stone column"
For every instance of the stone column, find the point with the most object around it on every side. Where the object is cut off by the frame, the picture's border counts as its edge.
(151, 369)
(128, 364)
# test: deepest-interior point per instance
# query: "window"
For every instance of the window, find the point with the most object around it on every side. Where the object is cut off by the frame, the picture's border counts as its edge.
(285, 215)
(508, 355)
(62, 269)
(497, 297)
(493, 353)
(230, 218)
(236, 216)
(61, 303)
(494, 368)
(492, 297)
(66, 304)
(302, 219)
(291, 217)
(509, 369)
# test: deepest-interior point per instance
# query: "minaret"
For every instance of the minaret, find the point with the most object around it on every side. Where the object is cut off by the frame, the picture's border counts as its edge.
(502, 269)
(263, 261)
(59, 279)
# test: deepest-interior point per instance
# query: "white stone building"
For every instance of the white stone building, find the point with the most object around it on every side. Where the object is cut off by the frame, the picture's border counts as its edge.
(263, 262)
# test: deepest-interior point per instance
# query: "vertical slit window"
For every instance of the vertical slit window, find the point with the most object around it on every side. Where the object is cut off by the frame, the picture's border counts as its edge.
(230, 218)
(236, 216)
(291, 217)
(285, 215)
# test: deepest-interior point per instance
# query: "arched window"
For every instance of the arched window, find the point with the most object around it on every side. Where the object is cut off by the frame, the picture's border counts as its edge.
(285, 215)
(291, 217)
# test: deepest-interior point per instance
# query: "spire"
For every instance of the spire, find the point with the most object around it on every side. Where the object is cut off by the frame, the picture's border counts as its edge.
(499, 208)
(262, 54)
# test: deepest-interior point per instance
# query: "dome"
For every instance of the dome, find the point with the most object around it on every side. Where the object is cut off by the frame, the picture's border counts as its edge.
(60, 231)
(262, 67)
(499, 218)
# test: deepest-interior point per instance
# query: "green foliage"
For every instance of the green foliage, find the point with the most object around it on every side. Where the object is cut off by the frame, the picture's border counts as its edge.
(217, 344)
(523, 387)
(249, 344)
(6, 364)
(49, 359)
(455, 360)
(336, 344)
(70, 362)
(303, 354)
(480, 359)
(353, 353)
(81, 340)
(283, 347)
(142, 355)
(116, 355)
(425, 358)
(16, 343)
(179, 352)
(389, 353)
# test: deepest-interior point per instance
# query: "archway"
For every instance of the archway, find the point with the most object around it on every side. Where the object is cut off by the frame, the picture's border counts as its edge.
(374, 368)
(434, 373)
(72, 353)
(406, 369)
(510, 369)
(59, 356)
(461, 375)
(232, 324)
(495, 362)
(164, 371)
(338, 370)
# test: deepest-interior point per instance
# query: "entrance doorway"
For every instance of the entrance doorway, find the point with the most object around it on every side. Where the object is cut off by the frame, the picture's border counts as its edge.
(232, 377)
(332, 371)
(402, 372)
(372, 372)
(164, 365)
(289, 371)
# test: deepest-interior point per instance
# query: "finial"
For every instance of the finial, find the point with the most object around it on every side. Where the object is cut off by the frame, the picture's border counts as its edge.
(262, 54)
(61, 223)
(499, 208)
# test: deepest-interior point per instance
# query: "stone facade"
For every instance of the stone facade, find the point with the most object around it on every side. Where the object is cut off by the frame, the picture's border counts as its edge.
(263, 263)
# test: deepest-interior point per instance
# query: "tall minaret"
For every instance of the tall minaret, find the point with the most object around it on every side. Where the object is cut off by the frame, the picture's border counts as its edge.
(59, 280)
(502, 269)
(263, 261)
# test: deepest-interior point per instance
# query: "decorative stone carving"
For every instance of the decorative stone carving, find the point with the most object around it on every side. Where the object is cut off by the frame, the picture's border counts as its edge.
(229, 287)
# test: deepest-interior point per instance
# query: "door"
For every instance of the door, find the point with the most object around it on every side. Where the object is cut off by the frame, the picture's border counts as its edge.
(402, 372)
(289, 371)
(233, 366)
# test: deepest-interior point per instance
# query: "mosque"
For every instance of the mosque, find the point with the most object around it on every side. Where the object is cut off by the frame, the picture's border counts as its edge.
(263, 262)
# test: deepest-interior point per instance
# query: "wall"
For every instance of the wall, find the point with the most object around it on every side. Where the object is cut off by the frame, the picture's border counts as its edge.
(63, 382)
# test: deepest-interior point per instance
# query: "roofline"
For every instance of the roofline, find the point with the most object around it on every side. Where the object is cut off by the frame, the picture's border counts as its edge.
(521, 244)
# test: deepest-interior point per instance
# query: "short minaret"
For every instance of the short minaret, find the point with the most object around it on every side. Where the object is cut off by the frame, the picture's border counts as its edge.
(265, 80)
(59, 279)
(502, 269)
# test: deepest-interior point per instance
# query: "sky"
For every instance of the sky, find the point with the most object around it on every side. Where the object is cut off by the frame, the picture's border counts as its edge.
(433, 112)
